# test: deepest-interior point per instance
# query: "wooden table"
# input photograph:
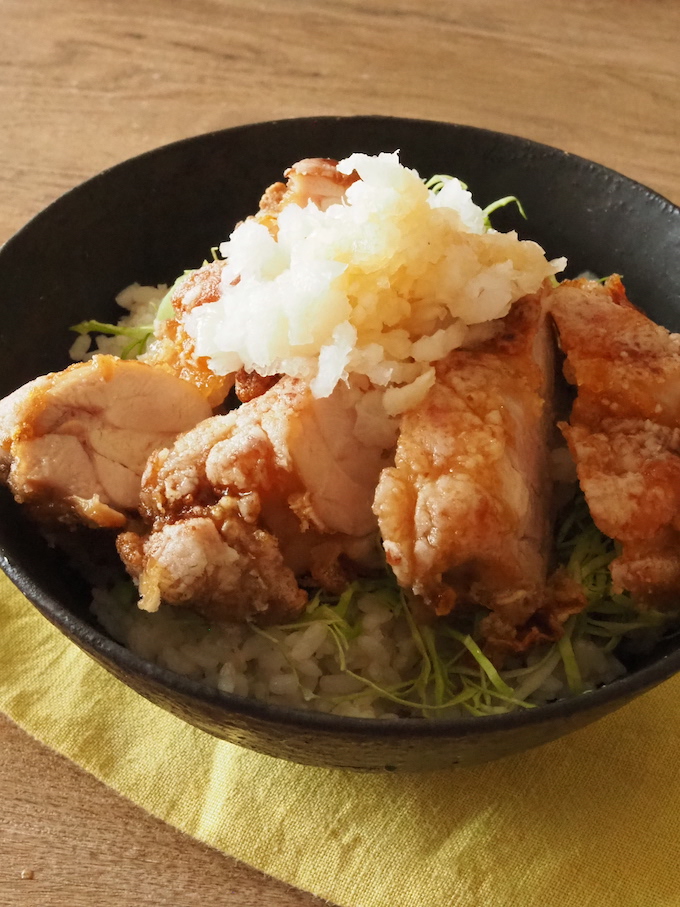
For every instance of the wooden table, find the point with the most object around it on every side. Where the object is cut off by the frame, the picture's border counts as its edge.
(87, 83)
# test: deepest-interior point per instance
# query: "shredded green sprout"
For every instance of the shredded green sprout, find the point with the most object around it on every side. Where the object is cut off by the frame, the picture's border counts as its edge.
(139, 335)
(502, 203)
(437, 182)
(453, 674)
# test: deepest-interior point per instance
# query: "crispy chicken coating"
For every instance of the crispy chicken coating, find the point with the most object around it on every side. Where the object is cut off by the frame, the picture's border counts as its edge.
(465, 511)
(278, 489)
(624, 431)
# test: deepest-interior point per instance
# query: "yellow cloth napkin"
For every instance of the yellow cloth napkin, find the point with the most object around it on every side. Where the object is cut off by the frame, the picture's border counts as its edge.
(589, 821)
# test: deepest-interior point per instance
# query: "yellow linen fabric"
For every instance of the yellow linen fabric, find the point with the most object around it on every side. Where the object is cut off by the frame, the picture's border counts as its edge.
(589, 821)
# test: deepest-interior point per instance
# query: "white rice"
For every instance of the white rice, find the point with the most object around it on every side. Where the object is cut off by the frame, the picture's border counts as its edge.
(141, 302)
(299, 665)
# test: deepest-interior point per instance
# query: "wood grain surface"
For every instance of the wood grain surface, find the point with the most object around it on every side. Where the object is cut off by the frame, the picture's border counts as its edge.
(87, 83)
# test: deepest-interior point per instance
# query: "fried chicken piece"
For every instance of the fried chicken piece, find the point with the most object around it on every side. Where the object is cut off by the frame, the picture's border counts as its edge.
(287, 485)
(625, 366)
(563, 597)
(629, 470)
(465, 511)
(173, 348)
(74, 444)
(624, 431)
(217, 565)
(316, 180)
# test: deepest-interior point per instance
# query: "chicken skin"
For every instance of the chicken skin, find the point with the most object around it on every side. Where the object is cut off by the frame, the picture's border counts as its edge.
(312, 180)
(74, 444)
(279, 489)
(465, 511)
(624, 431)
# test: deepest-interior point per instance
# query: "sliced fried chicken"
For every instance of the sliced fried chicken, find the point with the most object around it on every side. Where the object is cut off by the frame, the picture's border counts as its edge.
(623, 364)
(74, 444)
(465, 511)
(287, 485)
(624, 430)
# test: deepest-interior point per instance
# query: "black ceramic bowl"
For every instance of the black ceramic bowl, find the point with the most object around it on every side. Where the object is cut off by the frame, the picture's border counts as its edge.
(149, 218)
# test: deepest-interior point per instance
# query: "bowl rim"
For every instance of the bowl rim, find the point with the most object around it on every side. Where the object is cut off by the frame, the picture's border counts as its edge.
(96, 642)
(511, 138)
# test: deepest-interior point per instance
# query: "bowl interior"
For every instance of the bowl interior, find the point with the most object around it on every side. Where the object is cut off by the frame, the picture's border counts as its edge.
(150, 218)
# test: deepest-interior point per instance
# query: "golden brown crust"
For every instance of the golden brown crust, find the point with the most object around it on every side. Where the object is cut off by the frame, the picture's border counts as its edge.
(562, 597)
(624, 430)
(242, 496)
(464, 511)
(249, 385)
